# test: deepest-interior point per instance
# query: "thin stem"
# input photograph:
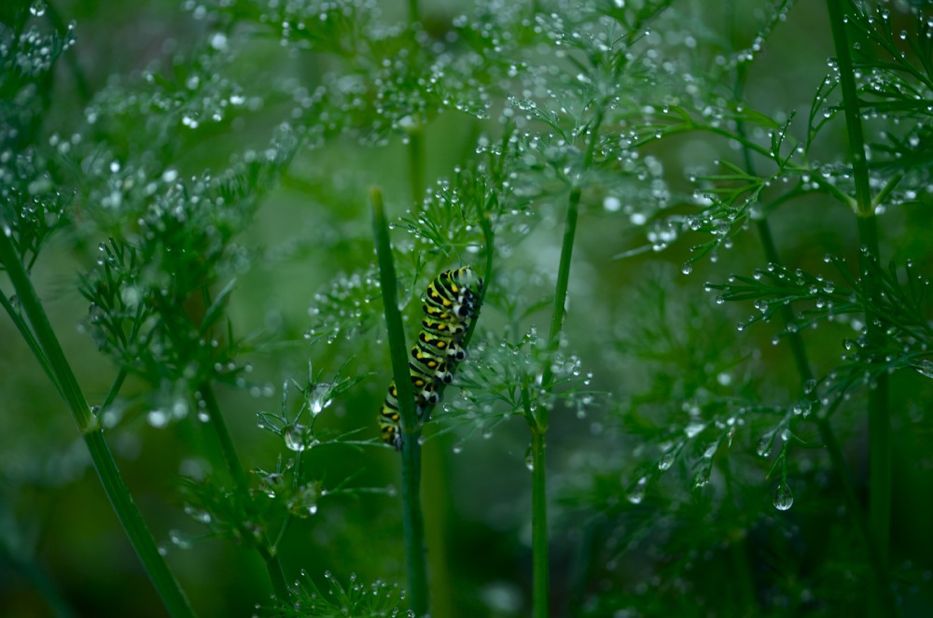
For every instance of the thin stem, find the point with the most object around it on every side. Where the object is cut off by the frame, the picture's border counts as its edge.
(117, 492)
(802, 363)
(240, 479)
(416, 166)
(30, 339)
(560, 292)
(412, 523)
(114, 389)
(837, 21)
(227, 449)
(276, 573)
(489, 240)
(879, 422)
(416, 157)
(414, 12)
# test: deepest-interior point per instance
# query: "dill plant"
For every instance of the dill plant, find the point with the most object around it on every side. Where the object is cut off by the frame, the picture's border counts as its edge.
(780, 161)
(561, 149)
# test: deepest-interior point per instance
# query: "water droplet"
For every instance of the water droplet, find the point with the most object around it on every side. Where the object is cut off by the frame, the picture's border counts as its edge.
(764, 445)
(219, 41)
(783, 497)
(666, 460)
(320, 398)
(637, 493)
(37, 8)
(693, 429)
(294, 436)
(178, 540)
(157, 418)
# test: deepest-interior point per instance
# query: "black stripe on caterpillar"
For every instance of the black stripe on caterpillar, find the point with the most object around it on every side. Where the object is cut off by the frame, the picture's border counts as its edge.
(450, 305)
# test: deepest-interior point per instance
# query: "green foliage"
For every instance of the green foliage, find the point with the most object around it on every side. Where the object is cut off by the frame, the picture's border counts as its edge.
(335, 600)
(195, 203)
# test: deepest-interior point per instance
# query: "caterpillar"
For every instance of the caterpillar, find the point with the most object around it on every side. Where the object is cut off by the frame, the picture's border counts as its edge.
(450, 304)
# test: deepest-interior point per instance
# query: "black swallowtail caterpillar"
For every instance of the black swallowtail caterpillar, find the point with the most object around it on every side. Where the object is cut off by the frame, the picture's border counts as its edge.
(449, 305)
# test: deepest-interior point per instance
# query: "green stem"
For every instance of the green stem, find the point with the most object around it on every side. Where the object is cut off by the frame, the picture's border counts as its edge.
(114, 389)
(30, 339)
(538, 419)
(850, 105)
(414, 12)
(416, 166)
(802, 363)
(879, 422)
(560, 292)
(240, 479)
(412, 523)
(276, 573)
(539, 531)
(117, 492)
(227, 449)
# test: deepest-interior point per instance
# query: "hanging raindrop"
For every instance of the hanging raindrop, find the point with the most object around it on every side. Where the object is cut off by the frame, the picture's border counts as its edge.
(783, 497)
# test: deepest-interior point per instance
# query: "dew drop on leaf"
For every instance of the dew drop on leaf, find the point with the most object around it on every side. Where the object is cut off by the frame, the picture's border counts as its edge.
(637, 493)
(294, 438)
(157, 418)
(783, 497)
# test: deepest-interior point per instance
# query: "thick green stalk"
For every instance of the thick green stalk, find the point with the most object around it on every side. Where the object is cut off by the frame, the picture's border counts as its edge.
(538, 420)
(412, 522)
(539, 532)
(437, 489)
(240, 479)
(879, 422)
(117, 492)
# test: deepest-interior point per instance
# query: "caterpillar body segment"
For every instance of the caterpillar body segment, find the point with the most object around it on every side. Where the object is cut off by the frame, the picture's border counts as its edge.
(450, 305)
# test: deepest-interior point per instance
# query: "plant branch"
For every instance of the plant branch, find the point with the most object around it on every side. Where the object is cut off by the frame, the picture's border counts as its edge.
(114, 389)
(117, 492)
(240, 479)
(560, 294)
(412, 523)
(538, 421)
(879, 422)
(30, 340)
(539, 531)
(805, 372)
